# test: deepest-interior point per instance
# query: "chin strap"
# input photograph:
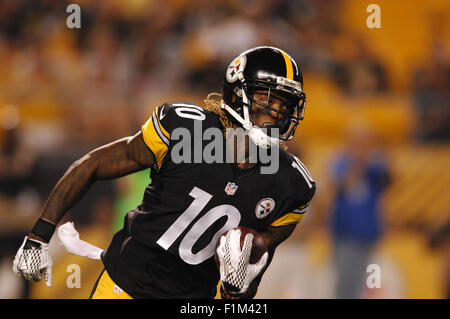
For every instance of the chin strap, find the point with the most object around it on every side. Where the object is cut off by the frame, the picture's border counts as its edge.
(261, 139)
(256, 134)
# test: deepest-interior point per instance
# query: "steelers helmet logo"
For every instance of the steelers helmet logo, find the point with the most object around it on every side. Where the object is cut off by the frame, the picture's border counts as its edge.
(236, 66)
(264, 207)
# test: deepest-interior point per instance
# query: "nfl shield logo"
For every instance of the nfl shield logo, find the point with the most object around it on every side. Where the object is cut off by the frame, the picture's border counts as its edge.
(231, 188)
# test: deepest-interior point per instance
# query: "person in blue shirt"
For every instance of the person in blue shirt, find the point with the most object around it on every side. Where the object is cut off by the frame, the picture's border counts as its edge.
(360, 177)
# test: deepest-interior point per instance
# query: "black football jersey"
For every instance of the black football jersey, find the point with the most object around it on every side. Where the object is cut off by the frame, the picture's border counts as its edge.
(166, 247)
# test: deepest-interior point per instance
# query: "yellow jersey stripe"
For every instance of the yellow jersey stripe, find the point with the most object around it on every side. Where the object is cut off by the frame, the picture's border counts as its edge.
(163, 130)
(154, 141)
(289, 68)
(304, 206)
(288, 219)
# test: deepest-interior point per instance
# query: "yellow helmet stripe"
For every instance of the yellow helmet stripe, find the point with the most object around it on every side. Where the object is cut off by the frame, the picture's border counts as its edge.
(289, 69)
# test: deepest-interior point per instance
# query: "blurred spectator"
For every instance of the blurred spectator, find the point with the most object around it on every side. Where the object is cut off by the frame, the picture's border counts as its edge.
(16, 160)
(357, 71)
(432, 97)
(360, 175)
(205, 52)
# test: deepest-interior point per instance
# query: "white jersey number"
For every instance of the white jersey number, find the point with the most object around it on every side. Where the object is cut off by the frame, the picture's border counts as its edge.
(189, 111)
(302, 169)
(201, 198)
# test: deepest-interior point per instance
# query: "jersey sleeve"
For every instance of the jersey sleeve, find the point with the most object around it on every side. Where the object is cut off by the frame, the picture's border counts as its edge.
(293, 216)
(161, 128)
(156, 132)
(301, 190)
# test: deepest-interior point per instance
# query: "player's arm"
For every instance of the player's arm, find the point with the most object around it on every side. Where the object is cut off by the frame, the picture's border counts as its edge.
(273, 237)
(119, 158)
(113, 160)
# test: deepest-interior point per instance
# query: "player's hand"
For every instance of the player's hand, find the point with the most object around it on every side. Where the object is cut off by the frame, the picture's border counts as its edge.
(32, 260)
(236, 273)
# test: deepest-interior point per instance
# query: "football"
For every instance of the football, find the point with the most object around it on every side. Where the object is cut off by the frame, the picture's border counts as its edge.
(258, 246)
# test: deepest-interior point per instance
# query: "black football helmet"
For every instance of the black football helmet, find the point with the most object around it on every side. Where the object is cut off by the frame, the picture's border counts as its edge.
(267, 69)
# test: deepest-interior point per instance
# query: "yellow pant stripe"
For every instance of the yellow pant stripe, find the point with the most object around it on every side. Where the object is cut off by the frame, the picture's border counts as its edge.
(107, 289)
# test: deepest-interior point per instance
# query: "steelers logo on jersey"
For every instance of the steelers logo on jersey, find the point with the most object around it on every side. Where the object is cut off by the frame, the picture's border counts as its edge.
(264, 207)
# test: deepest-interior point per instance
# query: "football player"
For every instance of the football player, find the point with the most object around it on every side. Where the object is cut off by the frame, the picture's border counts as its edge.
(167, 244)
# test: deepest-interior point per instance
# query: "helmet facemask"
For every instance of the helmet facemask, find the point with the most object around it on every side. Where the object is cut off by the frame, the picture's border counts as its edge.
(286, 119)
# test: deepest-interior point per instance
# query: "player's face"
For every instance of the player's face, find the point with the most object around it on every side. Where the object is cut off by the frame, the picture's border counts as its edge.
(268, 110)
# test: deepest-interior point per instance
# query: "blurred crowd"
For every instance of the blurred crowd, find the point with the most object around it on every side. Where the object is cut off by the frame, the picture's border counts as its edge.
(66, 91)
(124, 56)
(127, 54)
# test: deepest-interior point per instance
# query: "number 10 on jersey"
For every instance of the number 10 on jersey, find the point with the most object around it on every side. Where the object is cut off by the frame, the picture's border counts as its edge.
(197, 229)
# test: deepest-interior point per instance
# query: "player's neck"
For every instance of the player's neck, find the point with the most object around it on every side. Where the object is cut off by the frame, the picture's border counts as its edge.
(246, 165)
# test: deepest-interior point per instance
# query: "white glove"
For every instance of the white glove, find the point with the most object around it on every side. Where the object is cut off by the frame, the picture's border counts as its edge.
(235, 270)
(70, 239)
(32, 259)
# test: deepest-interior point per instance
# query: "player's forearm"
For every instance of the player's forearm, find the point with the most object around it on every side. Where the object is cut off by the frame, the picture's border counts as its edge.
(276, 235)
(106, 162)
(272, 237)
(69, 189)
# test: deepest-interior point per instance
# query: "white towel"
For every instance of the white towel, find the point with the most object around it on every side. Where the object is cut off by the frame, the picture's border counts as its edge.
(70, 239)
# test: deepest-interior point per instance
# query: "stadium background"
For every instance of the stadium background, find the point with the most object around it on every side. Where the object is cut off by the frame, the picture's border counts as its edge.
(66, 91)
